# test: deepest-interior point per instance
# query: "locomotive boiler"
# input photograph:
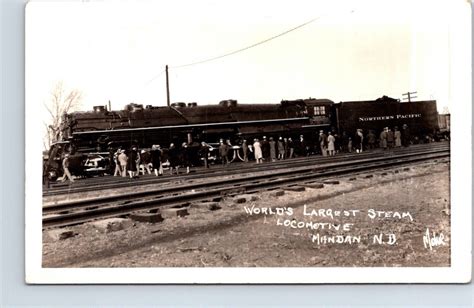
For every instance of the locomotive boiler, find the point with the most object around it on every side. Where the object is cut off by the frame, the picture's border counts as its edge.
(143, 126)
(102, 130)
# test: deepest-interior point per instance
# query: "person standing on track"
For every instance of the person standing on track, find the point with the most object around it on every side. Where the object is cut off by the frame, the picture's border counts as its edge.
(123, 161)
(265, 148)
(118, 170)
(204, 154)
(272, 149)
(390, 138)
(186, 156)
(145, 162)
(302, 150)
(245, 150)
(323, 141)
(331, 146)
(257, 151)
(173, 158)
(156, 159)
(281, 149)
(383, 138)
(405, 135)
(67, 173)
(133, 160)
(224, 153)
(371, 140)
(291, 148)
(398, 137)
(359, 140)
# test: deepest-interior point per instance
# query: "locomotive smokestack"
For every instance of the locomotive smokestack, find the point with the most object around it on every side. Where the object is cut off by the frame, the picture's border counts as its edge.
(167, 88)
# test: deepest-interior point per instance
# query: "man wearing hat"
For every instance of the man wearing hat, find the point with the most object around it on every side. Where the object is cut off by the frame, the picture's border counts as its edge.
(133, 162)
(265, 148)
(145, 161)
(390, 138)
(118, 170)
(323, 143)
(405, 135)
(281, 148)
(383, 138)
(123, 160)
(302, 148)
(272, 145)
(156, 159)
(66, 169)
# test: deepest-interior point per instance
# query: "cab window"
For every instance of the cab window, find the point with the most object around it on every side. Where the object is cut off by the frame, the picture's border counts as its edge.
(319, 110)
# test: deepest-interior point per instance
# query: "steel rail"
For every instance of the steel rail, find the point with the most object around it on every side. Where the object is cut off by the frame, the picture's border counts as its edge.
(215, 191)
(115, 182)
(244, 177)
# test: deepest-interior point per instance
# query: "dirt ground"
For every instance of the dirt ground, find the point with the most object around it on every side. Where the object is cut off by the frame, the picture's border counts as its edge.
(412, 228)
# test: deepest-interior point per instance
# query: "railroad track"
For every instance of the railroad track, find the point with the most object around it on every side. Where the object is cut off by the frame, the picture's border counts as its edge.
(110, 182)
(76, 212)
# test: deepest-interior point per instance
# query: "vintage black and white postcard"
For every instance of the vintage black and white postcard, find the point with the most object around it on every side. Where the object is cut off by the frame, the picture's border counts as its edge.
(248, 141)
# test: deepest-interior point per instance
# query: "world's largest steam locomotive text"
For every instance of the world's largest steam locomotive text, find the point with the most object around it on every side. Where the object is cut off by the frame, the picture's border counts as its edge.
(329, 222)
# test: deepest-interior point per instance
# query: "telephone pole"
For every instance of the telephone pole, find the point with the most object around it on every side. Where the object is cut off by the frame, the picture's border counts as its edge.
(167, 88)
(409, 96)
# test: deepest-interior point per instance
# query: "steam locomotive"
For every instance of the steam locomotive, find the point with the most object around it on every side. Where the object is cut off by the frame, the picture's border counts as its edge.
(102, 130)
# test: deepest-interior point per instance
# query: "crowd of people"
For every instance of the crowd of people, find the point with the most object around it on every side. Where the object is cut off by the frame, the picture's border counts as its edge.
(132, 162)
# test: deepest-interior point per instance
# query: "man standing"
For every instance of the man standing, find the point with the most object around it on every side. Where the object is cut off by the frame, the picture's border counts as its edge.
(302, 147)
(66, 169)
(224, 153)
(390, 138)
(118, 170)
(331, 146)
(398, 137)
(405, 135)
(204, 154)
(265, 148)
(371, 139)
(257, 151)
(133, 161)
(359, 141)
(245, 150)
(383, 138)
(291, 148)
(281, 149)
(156, 160)
(145, 162)
(123, 161)
(173, 158)
(323, 141)
(272, 149)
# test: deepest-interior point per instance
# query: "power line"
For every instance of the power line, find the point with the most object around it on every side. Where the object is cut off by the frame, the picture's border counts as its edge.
(149, 81)
(250, 46)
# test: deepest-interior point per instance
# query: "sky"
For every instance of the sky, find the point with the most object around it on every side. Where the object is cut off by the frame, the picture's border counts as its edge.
(357, 50)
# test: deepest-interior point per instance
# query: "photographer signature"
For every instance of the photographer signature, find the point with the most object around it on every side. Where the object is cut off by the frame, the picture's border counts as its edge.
(433, 240)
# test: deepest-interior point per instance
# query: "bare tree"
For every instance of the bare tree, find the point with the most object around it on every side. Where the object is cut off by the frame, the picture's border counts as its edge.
(62, 101)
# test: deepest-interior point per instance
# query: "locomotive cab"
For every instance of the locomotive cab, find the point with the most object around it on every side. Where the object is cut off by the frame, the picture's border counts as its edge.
(320, 112)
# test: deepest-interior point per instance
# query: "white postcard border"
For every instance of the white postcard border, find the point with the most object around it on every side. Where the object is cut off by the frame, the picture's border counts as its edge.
(461, 207)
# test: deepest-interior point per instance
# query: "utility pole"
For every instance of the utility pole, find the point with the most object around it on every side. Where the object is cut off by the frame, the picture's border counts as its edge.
(409, 96)
(167, 88)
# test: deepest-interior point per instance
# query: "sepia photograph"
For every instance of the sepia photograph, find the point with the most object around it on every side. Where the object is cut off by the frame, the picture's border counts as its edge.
(248, 142)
